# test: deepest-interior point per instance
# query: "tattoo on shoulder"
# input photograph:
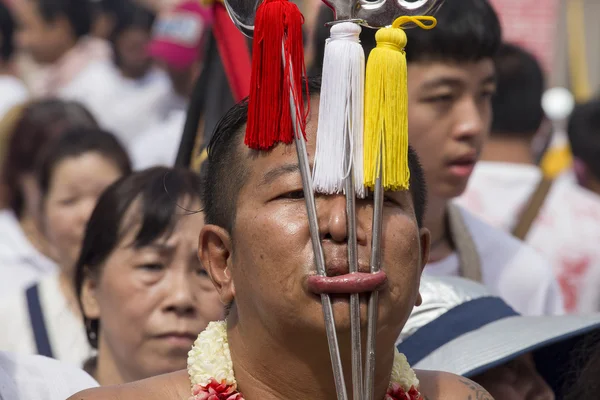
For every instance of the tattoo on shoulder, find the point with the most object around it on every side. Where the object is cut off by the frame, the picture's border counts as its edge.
(478, 392)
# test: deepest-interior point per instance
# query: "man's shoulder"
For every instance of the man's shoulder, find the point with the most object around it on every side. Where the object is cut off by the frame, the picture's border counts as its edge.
(173, 386)
(437, 385)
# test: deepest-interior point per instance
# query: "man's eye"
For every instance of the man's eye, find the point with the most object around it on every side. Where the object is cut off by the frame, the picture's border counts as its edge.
(389, 201)
(293, 195)
(444, 98)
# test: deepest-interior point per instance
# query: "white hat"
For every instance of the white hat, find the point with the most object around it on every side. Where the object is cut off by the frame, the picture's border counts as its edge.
(463, 329)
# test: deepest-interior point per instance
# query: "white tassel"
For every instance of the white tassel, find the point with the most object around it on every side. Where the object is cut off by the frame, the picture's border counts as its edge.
(341, 112)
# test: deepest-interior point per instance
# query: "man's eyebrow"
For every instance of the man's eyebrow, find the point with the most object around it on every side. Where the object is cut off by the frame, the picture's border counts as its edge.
(455, 82)
(275, 173)
(444, 81)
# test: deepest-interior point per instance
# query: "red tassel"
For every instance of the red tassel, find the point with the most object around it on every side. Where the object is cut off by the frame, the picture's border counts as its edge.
(269, 116)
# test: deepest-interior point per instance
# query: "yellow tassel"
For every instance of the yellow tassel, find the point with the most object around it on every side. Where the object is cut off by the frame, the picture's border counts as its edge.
(386, 107)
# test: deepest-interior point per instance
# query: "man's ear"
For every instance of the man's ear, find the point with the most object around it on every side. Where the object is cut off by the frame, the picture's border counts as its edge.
(214, 251)
(89, 299)
(425, 241)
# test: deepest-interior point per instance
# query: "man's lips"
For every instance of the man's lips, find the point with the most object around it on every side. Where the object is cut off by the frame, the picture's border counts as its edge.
(357, 282)
(463, 166)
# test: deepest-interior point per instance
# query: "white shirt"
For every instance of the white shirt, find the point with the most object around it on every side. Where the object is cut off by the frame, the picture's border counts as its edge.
(12, 92)
(123, 106)
(510, 269)
(21, 264)
(160, 144)
(566, 231)
(51, 80)
(66, 331)
(32, 377)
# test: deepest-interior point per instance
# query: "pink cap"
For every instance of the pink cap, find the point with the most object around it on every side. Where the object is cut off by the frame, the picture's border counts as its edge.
(178, 34)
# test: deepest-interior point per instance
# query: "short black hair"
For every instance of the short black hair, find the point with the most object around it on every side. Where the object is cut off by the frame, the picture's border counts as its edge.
(466, 31)
(584, 135)
(7, 31)
(160, 192)
(517, 104)
(76, 142)
(79, 13)
(225, 173)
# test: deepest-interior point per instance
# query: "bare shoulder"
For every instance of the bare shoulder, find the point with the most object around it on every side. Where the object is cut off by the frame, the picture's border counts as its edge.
(437, 385)
(174, 386)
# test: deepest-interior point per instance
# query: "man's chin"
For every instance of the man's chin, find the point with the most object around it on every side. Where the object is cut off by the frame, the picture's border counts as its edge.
(341, 312)
(452, 189)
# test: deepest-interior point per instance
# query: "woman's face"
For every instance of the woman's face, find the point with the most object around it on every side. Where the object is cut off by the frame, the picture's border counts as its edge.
(75, 185)
(152, 302)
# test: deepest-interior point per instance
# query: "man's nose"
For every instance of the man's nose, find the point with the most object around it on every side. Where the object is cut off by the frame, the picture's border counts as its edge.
(333, 219)
(470, 120)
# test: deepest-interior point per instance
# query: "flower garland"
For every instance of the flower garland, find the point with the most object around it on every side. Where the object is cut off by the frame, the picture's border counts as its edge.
(211, 370)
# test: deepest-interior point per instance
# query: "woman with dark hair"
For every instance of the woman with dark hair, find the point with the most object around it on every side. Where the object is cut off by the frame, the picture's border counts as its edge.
(24, 253)
(74, 170)
(143, 293)
(126, 93)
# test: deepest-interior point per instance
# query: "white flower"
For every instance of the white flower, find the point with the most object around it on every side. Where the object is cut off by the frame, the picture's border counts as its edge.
(210, 359)
(402, 374)
(210, 356)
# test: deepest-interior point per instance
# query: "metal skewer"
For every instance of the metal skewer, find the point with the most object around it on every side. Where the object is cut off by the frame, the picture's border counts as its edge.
(304, 165)
(355, 336)
(373, 309)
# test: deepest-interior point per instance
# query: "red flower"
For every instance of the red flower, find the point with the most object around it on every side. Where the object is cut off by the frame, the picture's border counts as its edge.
(216, 391)
(397, 392)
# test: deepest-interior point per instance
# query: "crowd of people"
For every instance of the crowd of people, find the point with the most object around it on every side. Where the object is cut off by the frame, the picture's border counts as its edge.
(113, 260)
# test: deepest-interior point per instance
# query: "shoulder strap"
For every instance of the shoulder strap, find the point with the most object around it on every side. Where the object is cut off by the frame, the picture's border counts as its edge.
(468, 257)
(532, 209)
(38, 325)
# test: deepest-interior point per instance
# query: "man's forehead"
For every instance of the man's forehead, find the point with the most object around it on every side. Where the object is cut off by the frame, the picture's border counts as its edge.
(262, 164)
(429, 75)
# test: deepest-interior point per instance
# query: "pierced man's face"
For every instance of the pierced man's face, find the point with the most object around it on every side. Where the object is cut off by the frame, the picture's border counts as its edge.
(450, 115)
(272, 256)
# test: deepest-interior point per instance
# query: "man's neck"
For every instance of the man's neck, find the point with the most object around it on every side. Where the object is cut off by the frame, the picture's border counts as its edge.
(296, 367)
(436, 222)
(507, 149)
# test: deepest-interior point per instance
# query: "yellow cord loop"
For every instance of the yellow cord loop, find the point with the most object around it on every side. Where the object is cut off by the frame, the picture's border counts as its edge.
(386, 106)
(417, 20)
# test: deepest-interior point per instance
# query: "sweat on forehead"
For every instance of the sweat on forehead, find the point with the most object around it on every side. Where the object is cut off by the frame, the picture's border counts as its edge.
(226, 168)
